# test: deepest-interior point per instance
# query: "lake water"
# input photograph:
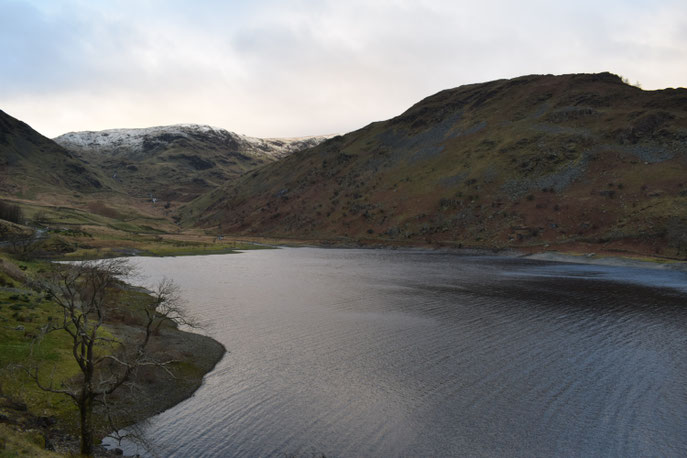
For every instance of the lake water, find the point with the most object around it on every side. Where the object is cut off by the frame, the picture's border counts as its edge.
(411, 353)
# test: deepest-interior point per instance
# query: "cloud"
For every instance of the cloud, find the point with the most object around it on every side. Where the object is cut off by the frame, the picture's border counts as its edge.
(280, 68)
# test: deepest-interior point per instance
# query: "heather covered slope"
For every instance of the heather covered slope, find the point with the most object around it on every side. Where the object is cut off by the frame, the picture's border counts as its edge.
(534, 161)
(178, 162)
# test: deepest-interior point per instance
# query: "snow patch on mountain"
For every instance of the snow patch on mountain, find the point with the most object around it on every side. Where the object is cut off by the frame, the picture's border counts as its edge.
(143, 140)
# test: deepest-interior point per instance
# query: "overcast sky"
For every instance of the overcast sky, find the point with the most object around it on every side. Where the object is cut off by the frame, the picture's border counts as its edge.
(293, 68)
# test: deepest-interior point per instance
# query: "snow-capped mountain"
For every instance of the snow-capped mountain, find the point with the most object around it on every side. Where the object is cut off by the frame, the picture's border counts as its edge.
(145, 140)
(178, 162)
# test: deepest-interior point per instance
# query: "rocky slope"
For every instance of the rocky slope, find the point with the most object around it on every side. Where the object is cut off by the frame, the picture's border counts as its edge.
(537, 161)
(177, 162)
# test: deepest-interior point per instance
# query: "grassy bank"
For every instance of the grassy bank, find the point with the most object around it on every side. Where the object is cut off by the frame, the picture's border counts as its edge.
(35, 422)
(70, 233)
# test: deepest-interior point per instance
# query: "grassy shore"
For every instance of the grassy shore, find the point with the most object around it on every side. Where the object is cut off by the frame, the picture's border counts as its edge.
(37, 423)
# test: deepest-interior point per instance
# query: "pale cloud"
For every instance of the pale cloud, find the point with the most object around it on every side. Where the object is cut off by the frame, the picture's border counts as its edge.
(291, 68)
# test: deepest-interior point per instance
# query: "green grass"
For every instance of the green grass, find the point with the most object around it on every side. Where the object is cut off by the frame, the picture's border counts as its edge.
(22, 314)
(190, 248)
(147, 246)
(14, 443)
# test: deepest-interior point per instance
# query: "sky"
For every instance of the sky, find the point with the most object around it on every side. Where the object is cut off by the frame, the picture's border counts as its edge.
(289, 68)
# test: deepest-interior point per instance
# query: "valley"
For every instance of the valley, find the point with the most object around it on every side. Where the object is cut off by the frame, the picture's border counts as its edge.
(575, 163)
(343, 229)
(551, 168)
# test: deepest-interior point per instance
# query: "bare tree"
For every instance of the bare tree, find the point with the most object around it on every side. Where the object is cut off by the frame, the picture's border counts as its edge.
(21, 245)
(85, 292)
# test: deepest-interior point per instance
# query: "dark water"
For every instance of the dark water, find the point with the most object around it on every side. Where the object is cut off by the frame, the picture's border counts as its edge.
(399, 353)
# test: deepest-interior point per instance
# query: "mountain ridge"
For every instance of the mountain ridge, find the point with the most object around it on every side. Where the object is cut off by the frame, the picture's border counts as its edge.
(119, 141)
(177, 163)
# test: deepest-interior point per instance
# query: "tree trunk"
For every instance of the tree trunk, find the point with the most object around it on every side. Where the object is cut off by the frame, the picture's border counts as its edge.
(86, 411)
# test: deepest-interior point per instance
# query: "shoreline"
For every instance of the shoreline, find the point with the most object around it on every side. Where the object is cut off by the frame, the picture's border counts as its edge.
(601, 259)
(163, 392)
(47, 424)
(577, 253)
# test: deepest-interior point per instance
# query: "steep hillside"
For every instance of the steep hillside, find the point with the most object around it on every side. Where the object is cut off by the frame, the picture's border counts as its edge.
(535, 161)
(179, 162)
(32, 165)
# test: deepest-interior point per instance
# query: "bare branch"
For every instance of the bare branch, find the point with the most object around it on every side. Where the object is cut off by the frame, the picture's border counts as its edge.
(33, 375)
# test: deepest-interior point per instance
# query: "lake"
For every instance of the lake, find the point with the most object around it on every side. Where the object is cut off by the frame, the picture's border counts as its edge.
(350, 353)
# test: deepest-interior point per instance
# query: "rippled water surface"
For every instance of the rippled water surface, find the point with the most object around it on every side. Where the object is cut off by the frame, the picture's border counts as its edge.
(405, 353)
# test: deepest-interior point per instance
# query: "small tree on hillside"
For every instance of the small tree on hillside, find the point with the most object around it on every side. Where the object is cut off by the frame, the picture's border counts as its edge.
(84, 292)
(22, 246)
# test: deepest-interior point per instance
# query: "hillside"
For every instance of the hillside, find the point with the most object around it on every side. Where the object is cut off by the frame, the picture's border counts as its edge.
(178, 162)
(33, 166)
(55, 187)
(537, 161)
